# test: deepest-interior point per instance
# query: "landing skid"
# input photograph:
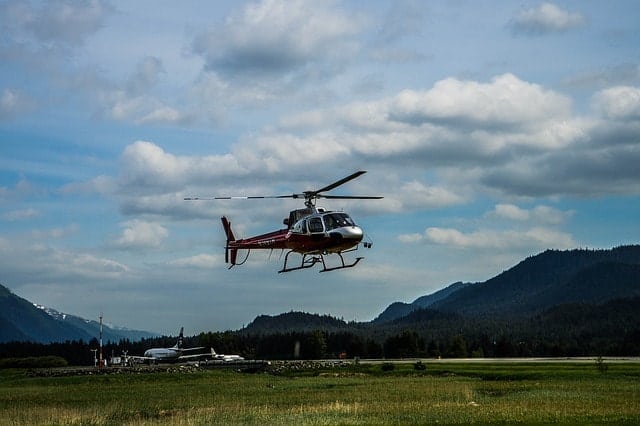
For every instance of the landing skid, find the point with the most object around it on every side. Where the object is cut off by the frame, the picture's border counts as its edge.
(309, 260)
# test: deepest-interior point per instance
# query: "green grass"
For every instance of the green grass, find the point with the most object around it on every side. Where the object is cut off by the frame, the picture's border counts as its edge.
(364, 394)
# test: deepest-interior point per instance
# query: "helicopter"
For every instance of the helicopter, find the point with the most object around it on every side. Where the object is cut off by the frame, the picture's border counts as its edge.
(312, 232)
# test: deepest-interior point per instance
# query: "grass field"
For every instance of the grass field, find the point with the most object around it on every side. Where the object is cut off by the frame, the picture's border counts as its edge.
(363, 394)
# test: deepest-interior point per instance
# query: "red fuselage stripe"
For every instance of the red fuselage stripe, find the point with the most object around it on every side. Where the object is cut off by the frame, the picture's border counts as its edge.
(302, 243)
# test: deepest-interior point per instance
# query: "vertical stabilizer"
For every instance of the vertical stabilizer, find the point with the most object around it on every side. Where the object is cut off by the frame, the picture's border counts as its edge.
(178, 344)
(230, 254)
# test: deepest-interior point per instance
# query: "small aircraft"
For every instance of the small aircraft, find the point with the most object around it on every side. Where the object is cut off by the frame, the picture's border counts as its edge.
(311, 232)
(172, 354)
(223, 357)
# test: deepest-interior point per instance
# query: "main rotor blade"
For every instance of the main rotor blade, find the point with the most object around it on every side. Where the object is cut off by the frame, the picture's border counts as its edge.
(340, 182)
(251, 197)
(307, 195)
(350, 197)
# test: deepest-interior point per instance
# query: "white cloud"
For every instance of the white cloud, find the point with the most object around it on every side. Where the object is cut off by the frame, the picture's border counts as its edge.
(519, 229)
(538, 214)
(279, 36)
(162, 114)
(506, 101)
(104, 185)
(455, 122)
(402, 18)
(146, 76)
(199, 261)
(603, 161)
(22, 214)
(90, 266)
(510, 211)
(546, 18)
(506, 136)
(411, 238)
(627, 73)
(137, 102)
(23, 188)
(140, 109)
(146, 165)
(55, 233)
(618, 103)
(57, 22)
(39, 263)
(138, 234)
(13, 103)
(551, 216)
(68, 21)
(275, 152)
(493, 239)
(416, 195)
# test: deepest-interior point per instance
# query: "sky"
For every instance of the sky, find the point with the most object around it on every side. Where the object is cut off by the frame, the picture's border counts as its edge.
(494, 130)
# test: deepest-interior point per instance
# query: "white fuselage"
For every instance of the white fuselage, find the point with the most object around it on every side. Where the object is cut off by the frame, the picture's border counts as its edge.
(163, 354)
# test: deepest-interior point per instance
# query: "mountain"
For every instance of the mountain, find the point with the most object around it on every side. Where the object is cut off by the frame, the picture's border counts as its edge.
(551, 278)
(294, 321)
(399, 309)
(536, 284)
(21, 320)
(532, 287)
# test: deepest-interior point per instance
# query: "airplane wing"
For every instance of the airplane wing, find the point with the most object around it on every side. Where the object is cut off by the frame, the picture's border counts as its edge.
(140, 358)
(192, 349)
(194, 356)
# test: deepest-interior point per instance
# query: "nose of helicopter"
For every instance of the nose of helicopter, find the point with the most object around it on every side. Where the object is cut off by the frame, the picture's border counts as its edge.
(355, 233)
(352, 234)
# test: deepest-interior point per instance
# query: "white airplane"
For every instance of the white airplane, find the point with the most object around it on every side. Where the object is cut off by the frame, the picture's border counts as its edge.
(172, 354)
(223, 357)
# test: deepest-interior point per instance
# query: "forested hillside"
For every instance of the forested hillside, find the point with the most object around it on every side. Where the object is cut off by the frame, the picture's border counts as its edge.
(21, 320)
(558, 303)
(550, 278)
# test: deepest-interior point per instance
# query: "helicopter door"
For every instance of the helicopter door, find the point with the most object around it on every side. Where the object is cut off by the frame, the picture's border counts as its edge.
(315, 225)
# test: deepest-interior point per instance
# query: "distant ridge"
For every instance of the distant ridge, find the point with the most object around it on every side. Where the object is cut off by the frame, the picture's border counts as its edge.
(541, 286)
(23, 321)
(556, 303)
(294, 321)
(399, 309)
(551, 278)
(532, 287)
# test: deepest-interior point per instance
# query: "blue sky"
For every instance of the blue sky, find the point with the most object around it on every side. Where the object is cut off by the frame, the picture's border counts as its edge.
(493, 129)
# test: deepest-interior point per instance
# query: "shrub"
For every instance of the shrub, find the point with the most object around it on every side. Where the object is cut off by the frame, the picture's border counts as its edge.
(33, 362)
(601, 365)
(388, 366)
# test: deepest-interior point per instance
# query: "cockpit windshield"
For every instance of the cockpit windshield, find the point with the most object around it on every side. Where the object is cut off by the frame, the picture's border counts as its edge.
(337, 220)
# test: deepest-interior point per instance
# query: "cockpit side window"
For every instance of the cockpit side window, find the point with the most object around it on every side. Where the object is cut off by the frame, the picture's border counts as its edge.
(315, 225)
(337, 220)
(330, 222)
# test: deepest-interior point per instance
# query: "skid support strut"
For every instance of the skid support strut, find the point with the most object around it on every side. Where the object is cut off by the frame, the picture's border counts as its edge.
(309, 260)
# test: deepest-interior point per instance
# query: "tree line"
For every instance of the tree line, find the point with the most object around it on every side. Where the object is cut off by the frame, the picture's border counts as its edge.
(610, 329)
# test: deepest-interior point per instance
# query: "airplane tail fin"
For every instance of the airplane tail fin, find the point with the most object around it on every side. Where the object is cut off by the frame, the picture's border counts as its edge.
(180, 337)
(230, 254)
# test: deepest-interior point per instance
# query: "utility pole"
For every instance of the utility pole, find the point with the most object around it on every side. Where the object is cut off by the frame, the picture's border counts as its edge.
(101, 361)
